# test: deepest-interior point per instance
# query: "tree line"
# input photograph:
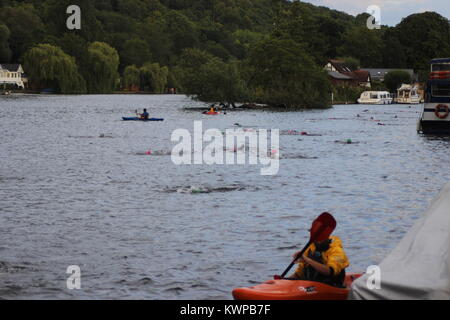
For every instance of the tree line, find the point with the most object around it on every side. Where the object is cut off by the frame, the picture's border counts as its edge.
(263, 51)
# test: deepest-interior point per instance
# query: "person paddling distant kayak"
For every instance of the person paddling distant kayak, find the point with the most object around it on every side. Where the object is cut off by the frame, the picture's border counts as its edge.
(144, 115)
(212, 110)
(323, 261)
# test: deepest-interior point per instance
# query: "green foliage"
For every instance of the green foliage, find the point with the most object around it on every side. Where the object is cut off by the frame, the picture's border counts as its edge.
(135, 51)
(226, 37)
(422, 37)
(55, 17)
(131, 76)
(363, 44)
(50, 66)
(378, 86)
(155, 34)
(394, 79)
(244, 39)
(101, 68)
(320, 30)
(25, 26)
(282, 74)
(181, 31)
(153, 77)
(190, 62)
(173, 79)
(5, 51)
(217, 81)
(74, 45)
(347, 94)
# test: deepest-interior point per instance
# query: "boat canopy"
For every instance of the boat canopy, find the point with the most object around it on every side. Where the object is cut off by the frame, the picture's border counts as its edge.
(440, 60)
(419, 267)
(406, 87)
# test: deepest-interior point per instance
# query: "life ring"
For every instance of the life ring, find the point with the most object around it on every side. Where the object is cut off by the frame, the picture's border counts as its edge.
(437, 111)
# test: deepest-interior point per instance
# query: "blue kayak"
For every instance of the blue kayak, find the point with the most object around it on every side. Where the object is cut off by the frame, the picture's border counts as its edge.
(139, 119)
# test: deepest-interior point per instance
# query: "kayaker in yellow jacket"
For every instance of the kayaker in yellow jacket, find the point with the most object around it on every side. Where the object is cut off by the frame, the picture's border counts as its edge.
(323, 262)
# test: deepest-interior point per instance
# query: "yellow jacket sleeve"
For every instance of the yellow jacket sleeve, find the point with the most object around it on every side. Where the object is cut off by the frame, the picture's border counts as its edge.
(301, 265)
(335, 256)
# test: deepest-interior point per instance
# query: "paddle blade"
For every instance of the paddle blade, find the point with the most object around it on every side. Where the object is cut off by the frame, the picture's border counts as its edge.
(322, 227)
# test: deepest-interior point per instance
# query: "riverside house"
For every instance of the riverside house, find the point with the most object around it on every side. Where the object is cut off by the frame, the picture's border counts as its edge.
(13, 74)
(342, 74)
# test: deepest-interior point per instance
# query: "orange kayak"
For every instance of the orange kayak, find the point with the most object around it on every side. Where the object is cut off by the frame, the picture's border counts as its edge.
(211, 113)
(295, 290)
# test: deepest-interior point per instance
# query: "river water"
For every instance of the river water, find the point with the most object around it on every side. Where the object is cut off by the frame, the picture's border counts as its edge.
(77, 188)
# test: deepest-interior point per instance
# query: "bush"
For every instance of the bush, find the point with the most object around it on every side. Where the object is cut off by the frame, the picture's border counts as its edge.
(394, 79)
(347, 94)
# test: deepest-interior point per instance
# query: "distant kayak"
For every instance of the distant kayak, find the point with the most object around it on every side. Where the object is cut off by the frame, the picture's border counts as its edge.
(139, 119)
(295, 290)
(211, 113)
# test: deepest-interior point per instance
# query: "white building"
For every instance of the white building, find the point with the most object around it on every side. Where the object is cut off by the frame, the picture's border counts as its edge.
(12, 74)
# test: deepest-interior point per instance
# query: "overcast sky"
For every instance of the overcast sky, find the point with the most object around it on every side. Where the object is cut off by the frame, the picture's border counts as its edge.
(392, 11)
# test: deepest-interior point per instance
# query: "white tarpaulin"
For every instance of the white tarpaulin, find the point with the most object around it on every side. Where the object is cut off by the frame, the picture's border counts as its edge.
(419, 267)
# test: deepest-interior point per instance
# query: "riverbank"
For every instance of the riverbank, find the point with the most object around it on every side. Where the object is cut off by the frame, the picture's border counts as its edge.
(335, 103)
(27, 91)
(244, 106)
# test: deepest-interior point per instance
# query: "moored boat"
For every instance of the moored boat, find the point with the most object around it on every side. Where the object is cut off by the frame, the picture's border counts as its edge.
(407, 94)
(435, 117)
(375, 97)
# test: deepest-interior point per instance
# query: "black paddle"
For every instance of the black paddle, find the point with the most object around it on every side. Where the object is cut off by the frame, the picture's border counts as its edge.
(321, 229)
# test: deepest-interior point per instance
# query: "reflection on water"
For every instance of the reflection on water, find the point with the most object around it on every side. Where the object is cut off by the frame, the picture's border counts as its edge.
(79, 187)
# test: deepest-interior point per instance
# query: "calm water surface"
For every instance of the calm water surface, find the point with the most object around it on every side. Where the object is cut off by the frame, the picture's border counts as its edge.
(76, 188)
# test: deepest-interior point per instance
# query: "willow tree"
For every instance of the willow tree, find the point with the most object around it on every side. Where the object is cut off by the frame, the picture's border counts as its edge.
(131, 77)
(101, 68)
(154, 77)
(49, 66)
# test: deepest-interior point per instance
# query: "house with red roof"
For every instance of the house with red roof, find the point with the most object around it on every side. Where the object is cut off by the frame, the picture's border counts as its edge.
(341, 73)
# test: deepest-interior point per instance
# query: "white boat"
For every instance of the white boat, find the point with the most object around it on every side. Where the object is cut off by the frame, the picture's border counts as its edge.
(375, 97)
(435, 117)
(408, 94)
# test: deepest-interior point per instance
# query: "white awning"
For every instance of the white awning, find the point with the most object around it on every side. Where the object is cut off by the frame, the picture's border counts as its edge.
(419, 267)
